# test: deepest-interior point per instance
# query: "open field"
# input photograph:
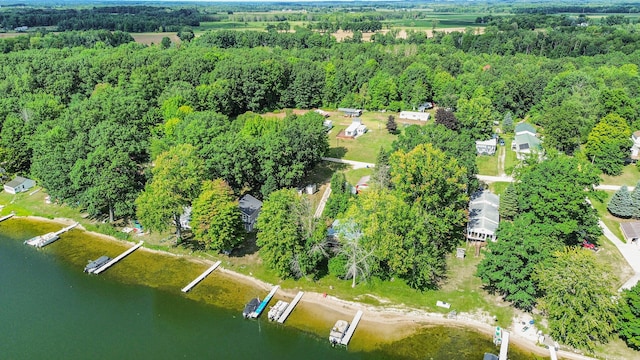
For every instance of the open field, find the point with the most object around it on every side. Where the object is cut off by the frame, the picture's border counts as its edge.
(155, 38)
(612, 222)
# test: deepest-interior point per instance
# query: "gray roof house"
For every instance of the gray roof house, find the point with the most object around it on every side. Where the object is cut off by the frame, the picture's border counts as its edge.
(525, 141)
(351, 112)
(250, 208)
(19, 184)
(631, 231)
(483, 216)
(486, 147)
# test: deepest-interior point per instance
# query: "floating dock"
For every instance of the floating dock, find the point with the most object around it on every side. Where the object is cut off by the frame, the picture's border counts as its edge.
(201, 277)
(120, 257)
(552, 353)
(289, 309)
(6, 217)
(264, 303)
(352, 328)
(504, 347)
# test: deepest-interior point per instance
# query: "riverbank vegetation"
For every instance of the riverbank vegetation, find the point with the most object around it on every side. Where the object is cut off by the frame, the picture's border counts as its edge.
(121, 131)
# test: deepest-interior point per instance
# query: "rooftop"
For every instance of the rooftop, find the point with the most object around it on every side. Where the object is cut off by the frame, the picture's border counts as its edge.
(483, 211)
(16, 181)
(525, 127)
(631, 229)
(248, 204)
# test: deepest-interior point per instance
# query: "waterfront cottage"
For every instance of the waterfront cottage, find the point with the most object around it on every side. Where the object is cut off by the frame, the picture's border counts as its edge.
(250, 208)
(19, 184)
(483, 216)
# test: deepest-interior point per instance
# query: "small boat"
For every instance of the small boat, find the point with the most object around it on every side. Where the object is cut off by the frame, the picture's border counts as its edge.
(490, 356)
(42, 240)
(338, 331)
(276, 311)
(94, 265)
(250, 308)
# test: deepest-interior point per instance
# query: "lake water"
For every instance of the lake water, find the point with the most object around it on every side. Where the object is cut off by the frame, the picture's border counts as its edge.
(50, 309)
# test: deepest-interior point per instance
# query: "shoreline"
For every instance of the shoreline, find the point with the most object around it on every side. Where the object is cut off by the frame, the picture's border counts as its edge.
(398, 322)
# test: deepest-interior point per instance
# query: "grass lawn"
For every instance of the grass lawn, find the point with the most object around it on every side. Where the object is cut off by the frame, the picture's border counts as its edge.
(630, 176)
(354, 175)
(510, 159)
(364, 148)
(488, 164)
(612, 222)
(498, 187)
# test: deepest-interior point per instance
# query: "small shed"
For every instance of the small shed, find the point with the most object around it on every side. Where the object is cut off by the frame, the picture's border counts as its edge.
(322, 112)
(631, 231)
(311, 189)
(19, 184)
(414, 115)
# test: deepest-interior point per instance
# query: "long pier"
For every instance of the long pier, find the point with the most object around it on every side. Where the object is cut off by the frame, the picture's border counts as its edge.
(120, 257)
(552, 353)
(264, 302)
(352, 328)
(289, 308)
(201, 277)
(59, 232)
(6, 217)
(504, 347)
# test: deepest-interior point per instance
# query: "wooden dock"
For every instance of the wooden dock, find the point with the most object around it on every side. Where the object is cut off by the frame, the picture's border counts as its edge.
(6, 217)
(264, 303)
(120, 257)
(59, 232)
(289, 308)
(201, 277)
(504, 347)
(352, 328)
(552, 353)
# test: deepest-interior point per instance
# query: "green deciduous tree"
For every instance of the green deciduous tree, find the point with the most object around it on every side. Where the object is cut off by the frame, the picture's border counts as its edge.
(563, 125)
(579, 298)
(435, 185)
(507, 123)
(288, 236)
(554, 192)
(508, 268)
(609, 143)
(338, 201)
(177, 178)
(216, 218)
(629, 317)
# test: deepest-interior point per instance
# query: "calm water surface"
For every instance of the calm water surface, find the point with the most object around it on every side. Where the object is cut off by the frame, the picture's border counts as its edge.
(50, 309)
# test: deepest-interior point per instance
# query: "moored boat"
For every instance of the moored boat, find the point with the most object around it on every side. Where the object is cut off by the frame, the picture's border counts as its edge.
(94, 265)
(337, 332)
(250, 308)
(490, 356)
(42, 240)
(276, 311)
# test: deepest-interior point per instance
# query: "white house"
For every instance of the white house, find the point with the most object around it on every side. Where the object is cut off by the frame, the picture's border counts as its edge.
(250, 208)
(185, 218)
(414, 115)
(19, 184)
(356, 128)
(635, 149)
(487, 147)
(483, 216)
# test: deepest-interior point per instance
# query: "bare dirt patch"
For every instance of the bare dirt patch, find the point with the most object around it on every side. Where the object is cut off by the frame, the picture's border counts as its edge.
(155, 38)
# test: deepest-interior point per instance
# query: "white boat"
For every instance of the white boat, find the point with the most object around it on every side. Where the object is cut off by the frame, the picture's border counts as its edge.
(94, 265)
(42, 240)
(276, 310)
(338, 331)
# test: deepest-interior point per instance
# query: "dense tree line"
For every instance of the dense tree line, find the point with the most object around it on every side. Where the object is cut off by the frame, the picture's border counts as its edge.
(112, 18)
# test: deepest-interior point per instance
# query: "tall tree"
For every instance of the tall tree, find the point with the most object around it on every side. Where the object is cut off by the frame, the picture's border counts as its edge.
(434, 184)
(508, 268)
(609, 143)
(338, 201)
(507, 123)
(563, 125)
(579, 298)
(282, 245)
(381, 176)
(216, 218)
(392, 126)
(554, 192)
(358, 259)
(629, 318)
(177, 178)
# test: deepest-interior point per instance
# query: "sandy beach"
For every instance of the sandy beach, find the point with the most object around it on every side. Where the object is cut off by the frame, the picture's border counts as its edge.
(387, 323)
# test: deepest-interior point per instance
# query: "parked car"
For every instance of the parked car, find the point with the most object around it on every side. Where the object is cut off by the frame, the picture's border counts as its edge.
(501, 142)
(588, 245)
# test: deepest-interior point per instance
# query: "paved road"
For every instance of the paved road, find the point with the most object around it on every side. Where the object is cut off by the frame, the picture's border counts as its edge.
(630, 252)
(355, 164)
(490, 179)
